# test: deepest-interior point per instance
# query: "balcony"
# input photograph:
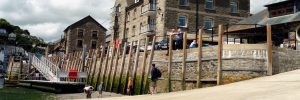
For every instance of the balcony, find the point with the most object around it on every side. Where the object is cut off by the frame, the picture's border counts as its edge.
(149, 9)
(148, 29)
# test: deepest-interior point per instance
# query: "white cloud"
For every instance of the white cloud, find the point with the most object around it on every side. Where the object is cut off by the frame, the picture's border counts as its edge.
(48, 18)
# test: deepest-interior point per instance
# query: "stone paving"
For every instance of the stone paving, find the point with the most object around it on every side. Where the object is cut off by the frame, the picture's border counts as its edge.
(285, 86)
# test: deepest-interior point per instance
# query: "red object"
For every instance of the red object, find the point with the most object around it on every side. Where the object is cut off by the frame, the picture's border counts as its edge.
(117, 43)
(73, 74)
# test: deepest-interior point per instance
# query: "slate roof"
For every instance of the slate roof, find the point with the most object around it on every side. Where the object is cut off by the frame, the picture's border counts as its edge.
(82, 21)
(261, 18)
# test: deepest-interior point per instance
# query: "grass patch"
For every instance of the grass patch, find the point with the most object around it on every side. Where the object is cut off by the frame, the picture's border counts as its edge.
(20, 93)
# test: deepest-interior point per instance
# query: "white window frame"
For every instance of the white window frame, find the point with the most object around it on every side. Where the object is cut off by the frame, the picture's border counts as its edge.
(234, 3)
(185, 20)
(211, 20)
(186, 3)
(213, 4)
(136, 1)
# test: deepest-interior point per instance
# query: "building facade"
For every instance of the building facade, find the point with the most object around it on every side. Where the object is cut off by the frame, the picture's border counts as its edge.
(135, 19)
(86, 31)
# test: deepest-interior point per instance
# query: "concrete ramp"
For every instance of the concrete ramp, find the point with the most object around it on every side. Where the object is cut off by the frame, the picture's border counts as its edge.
(285, 86)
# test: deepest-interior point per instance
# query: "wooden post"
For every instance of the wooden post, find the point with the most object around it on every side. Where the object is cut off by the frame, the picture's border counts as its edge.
(122, 67)
(100, 66)
(93, 65)
(144, 64)
(110, 67)
(88, 62)
(105, 66)
(220, 45)
(97, 57)
(115, 69)
(149, 64)
(199, 63)
(170, 63)
(128, 67)
(136, 63)
(269, 42)
(183, 86)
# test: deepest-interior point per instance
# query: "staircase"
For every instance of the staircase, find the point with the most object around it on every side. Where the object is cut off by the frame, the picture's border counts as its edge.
(45, 67)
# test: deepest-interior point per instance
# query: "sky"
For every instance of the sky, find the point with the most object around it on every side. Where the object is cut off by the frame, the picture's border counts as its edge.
(48, 18)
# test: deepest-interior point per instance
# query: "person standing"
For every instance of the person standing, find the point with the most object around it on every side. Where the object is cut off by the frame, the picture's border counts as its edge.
(129, 86)
(155, 74)
(179, 39)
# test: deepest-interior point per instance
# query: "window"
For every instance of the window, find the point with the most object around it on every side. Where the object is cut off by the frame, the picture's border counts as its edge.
(134, 14)
(127, 16)
(233, 6)
(133, 30)
(126, 33)
(79, 43)
(208, 23)
(136, 1)
(80, 33)
(141, 25)
(95, 34)
(182, 21)
(183, 2)
(209, 4)
(94, 44)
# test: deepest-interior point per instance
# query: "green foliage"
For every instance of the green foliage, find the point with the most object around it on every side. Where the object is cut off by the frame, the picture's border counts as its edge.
(24, 39)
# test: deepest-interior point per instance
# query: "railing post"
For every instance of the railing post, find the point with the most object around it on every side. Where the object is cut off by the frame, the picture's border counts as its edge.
(199, 63)
(220, 46)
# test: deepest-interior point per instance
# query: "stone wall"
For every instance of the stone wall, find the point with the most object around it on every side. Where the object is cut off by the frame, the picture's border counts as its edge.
(240, 62)
(285, 60)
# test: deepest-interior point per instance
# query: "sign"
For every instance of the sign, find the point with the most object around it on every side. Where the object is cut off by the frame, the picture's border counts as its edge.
(73, 74)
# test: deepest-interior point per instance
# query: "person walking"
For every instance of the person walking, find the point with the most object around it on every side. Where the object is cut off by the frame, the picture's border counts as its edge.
(155, 74)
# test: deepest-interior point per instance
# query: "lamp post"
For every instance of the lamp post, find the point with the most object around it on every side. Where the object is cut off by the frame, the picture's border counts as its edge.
(12, 37)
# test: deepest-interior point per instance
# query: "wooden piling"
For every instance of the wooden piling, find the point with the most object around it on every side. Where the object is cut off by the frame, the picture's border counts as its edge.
(170, 63)
(115, 69)
(110, 68)
(183, 86)
(100, 66)
(144, 64)
(199, 62)
(269, 43)
(149, 65)
(128, 68)
(220, 47)
(122, 67)
(94, 68)
(136, 63)
(93, 63)
(105, 66)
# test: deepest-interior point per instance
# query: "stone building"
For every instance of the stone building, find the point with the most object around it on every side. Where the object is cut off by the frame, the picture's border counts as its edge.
(134, 19)
(86, 31)
(284, 16)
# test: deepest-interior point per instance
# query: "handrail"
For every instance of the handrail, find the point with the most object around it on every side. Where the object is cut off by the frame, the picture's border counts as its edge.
(48, 70)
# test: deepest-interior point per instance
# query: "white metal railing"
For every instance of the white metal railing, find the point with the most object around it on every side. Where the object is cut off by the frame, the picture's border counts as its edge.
(148, 7)
(47, 69)
(148, 28)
